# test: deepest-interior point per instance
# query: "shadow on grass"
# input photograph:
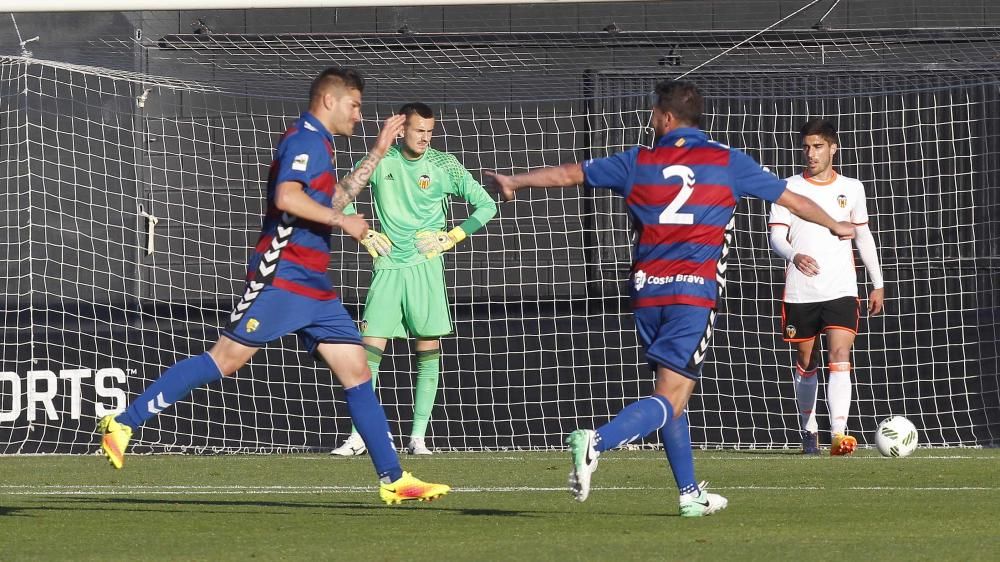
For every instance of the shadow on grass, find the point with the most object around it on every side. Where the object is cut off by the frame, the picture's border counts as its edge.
(267, 507)
(11, 511)
(362, 509)
(759, 452)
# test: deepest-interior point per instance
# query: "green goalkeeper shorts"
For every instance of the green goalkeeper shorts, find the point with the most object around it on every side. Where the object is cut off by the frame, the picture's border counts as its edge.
(408, 302)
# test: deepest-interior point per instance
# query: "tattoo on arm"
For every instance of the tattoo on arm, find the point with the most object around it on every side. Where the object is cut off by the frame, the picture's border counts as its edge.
(351, 185)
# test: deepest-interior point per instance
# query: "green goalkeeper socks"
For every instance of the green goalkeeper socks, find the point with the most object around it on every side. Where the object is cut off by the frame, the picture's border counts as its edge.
(374, 360)
(428, 373)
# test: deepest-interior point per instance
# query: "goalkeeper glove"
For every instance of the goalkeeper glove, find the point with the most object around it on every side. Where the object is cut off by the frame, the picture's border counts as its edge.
(433, 244)
(377, 244)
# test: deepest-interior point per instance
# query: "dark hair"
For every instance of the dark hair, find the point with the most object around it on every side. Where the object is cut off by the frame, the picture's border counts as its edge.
(680, 99)
(336, 76)
(420, 109)
(822, 127)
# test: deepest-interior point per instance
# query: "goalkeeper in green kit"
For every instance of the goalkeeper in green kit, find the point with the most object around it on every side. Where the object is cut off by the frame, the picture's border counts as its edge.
(411, 188)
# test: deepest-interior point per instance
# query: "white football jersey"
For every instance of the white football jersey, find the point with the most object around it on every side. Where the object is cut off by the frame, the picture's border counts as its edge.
(844, 200)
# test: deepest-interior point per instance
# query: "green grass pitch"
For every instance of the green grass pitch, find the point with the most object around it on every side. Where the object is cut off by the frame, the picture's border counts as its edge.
(939, 504)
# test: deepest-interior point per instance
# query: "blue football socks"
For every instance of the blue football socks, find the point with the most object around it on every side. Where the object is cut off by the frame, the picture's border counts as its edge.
(677, 444)
(174, 384)
(636, 421)
(369, 420)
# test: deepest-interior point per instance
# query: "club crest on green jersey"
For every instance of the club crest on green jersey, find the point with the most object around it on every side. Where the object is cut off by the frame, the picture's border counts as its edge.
(424, 181)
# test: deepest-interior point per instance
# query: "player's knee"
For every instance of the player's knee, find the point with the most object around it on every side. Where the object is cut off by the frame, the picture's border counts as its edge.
(677, 401)
(353, 379)
(229, 368)
(428, 344)
(230, 355)
(228, 364)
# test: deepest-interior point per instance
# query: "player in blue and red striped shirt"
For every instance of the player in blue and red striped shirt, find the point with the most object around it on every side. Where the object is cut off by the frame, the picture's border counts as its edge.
(681, 195)
(287, 289)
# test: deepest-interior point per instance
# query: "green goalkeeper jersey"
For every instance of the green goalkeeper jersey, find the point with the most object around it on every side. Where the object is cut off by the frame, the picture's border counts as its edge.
(410, 196)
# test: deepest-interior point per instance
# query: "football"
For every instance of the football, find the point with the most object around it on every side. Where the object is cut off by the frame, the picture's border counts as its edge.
(896, 437)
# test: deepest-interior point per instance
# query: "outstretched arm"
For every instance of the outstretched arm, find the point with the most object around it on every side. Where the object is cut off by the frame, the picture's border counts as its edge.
(567, 175)
(349, 187)
(807, 209)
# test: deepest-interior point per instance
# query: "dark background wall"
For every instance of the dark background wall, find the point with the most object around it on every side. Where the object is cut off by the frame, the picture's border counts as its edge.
(62, 34)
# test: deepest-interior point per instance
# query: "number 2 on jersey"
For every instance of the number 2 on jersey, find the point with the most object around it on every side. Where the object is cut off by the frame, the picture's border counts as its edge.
(670, 214)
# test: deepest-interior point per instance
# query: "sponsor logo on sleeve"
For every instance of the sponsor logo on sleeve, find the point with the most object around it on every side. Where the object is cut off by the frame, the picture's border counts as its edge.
(301, 162)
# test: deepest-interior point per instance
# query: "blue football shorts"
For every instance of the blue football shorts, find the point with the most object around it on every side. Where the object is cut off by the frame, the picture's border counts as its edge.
(277, 312)
(676, 336)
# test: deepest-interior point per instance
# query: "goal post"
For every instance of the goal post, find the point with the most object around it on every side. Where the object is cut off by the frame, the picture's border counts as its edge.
(132, 199)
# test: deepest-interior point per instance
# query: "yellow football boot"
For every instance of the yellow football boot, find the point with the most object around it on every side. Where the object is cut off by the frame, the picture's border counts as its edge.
(408, 488)
(115, 440)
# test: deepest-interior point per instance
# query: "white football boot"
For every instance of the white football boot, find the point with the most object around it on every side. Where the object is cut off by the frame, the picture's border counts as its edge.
(581, 448)
(702, 503)
(353, 446)
(417, 447)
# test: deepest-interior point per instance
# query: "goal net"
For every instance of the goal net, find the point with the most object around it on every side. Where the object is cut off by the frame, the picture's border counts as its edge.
(132, 199)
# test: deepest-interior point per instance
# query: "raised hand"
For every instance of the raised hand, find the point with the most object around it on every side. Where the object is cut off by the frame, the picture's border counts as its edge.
(391, 129)
(349, 187)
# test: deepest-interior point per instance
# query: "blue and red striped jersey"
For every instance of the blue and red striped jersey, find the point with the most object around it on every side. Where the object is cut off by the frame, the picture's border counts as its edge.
(293, 253)
(681, 195)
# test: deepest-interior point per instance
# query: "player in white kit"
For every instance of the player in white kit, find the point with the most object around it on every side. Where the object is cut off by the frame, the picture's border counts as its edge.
(821, 285)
